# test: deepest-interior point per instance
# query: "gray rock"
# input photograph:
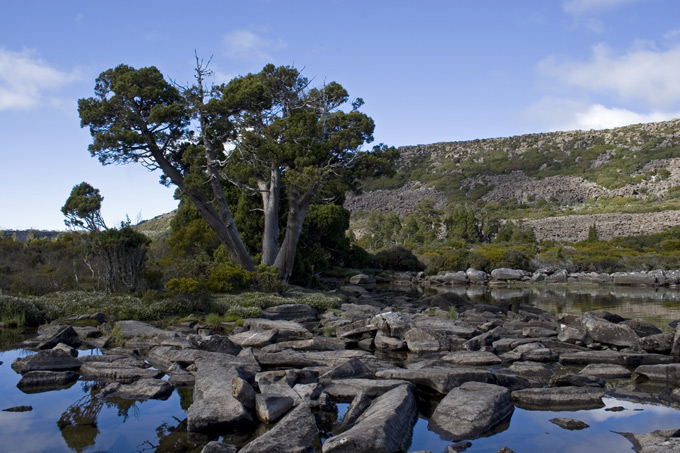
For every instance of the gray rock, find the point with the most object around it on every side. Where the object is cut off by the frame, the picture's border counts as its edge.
(659, 344)
(455, 278)
(362, 279)
(243, 392)
(469, 411)
(577, 380)
(538, 332)
(118, 371)
(49, 360)
(347, 389)
(384, 342)
(142, 389)
(558, 398)
(286, 329)
(528, 368)
(52, 335)
(606, 332)
(634, 278)
(668, 374)
(45, 381)
(131, 328)
(606, 371)
(505, 274)
(300, 313)
(356, 328)
(675, 348)
(218, 447)
(269, 408)
(444, 326)
(357, 407)
(294, 433)
(286, 359)
(472, 358)
(353, 368)
(214, 343)
(476, 276)
(662, 441)
(642, 328)
(214, 407)
(569, 423)
(254, 338)
(386, 426)
(312, 344)
(420, 341)
(612, 357)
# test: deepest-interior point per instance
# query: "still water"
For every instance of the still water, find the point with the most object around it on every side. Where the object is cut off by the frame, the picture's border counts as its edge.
(75, 419)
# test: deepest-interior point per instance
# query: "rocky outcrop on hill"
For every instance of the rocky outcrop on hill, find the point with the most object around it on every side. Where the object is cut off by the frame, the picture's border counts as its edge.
(401, 201)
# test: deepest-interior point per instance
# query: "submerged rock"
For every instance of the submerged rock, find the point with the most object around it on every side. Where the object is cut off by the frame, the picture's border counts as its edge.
(45, 381)
(559, 398)
(471, 410)
(143, 389)
(569, 423)
(662, 441)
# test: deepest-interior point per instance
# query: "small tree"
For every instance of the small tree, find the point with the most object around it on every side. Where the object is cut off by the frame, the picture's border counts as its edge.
(593, 235)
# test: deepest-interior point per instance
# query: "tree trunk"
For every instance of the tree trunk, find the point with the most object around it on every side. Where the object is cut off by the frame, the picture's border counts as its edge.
(297, 212)
(271, 195)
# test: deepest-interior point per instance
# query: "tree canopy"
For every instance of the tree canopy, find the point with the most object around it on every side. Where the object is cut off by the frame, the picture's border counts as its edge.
(269, 133)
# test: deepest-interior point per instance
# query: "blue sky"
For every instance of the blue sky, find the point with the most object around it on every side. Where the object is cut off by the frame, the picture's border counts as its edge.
(429, 71)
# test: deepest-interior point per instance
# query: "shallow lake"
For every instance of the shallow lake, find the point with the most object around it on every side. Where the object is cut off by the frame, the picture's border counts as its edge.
(75, 419)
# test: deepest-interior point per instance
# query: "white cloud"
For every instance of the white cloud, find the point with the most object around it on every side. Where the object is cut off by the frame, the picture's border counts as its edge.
(26, 80)
(579, 7)
(558, 114)
(248, 45)
(643, 74)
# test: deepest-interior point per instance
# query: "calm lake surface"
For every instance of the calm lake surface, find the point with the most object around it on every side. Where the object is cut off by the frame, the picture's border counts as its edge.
(75, 419)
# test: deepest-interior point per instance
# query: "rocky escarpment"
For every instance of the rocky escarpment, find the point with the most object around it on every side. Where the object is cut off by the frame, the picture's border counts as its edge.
(380, 352)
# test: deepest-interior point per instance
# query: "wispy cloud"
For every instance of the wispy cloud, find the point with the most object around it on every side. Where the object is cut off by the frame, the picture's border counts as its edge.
(245, 44)
(581, 7)
(26, 81)
(643, 74)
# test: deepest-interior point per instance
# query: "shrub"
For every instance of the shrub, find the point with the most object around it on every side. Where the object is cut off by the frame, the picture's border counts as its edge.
(226, 277)
(398, 259)
(182, 285)
(267, 278)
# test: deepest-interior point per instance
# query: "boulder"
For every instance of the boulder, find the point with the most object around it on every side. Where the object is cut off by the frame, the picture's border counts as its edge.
(49, 360)
(528, 368)
(312, 344)
(606, 371)
(558, 398)
(472, 358)
(384, 342)
(634, 278)
(577, 380)
(362, 279)
(445, 326)
(299, 313)
(476, 276)
(659, 344)
(345, 390)
(132, 328)
(455, 278)
(642, 328)
(254, 338)
(294, 433)
(269, 408)
(51, 336)
(612, 357)
(352, 368)
(662, 441)
(386, 426)
(505, 274)
(119, 371)
(668, 374)
(286, 329)
(214, 343)
(421, 340)
(218, 447)
(214, 407)
(675, 347)
(469, 411)
(357, 407)
(45, 381)
(142, 389)
(606, 332)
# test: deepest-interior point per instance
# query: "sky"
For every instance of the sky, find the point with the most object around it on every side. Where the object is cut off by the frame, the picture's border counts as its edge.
(428, 71)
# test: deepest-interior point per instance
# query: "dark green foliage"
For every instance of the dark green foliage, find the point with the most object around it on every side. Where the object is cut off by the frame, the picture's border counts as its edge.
(83, 208)
(593, 236)
(398, 258)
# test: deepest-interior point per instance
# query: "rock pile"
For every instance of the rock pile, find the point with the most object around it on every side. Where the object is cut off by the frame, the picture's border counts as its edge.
(380, 353)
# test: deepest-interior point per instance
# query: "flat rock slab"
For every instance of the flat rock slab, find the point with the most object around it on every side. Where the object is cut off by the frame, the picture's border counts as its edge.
(530, 368)
(286, 329)
(559, 398)
(386, 426)
(116, 372)
(472, 358)
(50, 360)
(45, 381)
(662, 441)
(606, 332)
(131, 328)
(606, 371)
(668, 374)
(313, 344)
(294, 433)
(438, 378)
(569, 423)
(291, 312)
(214, 407)
(142, 389)
(471, 410)
(445, 326)
(166, 356)
(613, 357)
(346, 389)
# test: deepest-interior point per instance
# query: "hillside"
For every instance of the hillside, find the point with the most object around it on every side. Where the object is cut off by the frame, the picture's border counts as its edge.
(558, 176)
